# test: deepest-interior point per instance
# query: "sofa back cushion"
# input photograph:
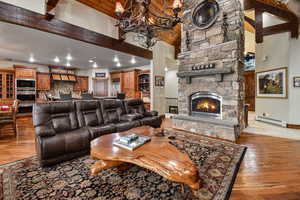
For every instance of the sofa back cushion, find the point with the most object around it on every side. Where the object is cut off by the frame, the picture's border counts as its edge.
(55, 117)
(134, 106)
(89, 113)
(112, 110)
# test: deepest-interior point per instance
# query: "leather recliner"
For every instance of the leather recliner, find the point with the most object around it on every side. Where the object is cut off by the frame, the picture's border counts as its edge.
(58, 136)
(115, 113)
(136, 106)
(89, 115)
(64, 129)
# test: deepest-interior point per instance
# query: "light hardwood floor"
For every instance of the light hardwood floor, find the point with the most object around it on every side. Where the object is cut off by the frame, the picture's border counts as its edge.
(270, 170)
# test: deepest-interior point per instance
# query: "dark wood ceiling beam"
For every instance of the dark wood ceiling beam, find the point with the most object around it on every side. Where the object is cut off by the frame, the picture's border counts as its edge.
(250, 21)
(16, 15)
(258, 25)
(249, 4)
(279, 28)
(291, 26)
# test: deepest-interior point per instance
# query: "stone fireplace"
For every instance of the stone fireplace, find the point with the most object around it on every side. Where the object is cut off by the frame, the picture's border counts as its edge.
(211, 83)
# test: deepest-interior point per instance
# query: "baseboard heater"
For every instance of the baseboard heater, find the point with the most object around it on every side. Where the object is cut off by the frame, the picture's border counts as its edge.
(272, 121)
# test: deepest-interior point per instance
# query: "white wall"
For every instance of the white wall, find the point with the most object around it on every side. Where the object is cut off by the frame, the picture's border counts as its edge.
(279, 51)
(162, 53)
(171, 87)
(38, 6)
(81, 15)
(4, 64)
(294, 93)
(249, 42)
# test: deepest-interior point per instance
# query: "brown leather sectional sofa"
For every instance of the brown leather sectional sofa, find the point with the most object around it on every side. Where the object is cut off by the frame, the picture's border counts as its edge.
(65, 129)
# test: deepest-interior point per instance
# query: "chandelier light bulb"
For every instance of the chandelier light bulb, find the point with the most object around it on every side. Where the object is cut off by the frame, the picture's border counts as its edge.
(95, 65)
(119, 8)
(177, 4)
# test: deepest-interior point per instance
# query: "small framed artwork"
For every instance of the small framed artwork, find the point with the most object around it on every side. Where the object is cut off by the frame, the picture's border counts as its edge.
(100, 75)
(159, 81)
(297, 82)
(272, 83)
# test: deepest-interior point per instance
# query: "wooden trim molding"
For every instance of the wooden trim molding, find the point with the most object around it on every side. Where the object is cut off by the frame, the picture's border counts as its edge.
(20, 16)
(293, 126)
(23, 67)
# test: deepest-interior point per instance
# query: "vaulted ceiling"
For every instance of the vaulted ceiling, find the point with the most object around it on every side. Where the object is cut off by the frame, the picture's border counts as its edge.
(108, 7)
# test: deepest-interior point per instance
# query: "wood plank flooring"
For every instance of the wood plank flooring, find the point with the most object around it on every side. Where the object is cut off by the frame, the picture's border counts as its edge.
(270, 170)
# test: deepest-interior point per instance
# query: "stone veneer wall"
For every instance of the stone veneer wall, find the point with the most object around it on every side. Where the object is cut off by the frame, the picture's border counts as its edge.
(225, 49)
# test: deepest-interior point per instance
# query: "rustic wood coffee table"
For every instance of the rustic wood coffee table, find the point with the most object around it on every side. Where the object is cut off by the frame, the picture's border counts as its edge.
(158, 155)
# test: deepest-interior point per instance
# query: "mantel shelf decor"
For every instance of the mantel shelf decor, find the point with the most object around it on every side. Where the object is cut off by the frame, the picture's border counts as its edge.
(207, 72)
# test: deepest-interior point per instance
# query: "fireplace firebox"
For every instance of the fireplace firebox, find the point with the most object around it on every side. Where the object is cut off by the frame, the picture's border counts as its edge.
(206, 104)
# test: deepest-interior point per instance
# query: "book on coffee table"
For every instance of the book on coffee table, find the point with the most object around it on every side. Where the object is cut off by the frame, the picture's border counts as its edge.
(131, 141)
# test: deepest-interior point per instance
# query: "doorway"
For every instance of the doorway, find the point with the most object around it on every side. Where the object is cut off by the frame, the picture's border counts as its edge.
(100, 87)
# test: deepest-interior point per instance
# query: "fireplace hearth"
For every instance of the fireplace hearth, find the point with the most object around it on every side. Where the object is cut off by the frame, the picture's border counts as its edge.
(206, 104)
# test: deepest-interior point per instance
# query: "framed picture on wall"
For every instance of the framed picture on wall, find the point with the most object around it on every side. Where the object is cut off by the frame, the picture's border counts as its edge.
(272, 83)
(159, 81)
(297, 82)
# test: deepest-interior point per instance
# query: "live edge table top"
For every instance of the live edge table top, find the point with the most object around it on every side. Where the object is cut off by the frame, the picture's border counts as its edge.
(158, 155)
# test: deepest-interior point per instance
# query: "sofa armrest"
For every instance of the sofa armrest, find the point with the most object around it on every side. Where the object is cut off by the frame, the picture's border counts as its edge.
(131, 117)
(44, 131)
(151, 114)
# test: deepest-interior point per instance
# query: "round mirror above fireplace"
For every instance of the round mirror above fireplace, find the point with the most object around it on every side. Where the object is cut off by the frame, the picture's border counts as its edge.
(205, 14)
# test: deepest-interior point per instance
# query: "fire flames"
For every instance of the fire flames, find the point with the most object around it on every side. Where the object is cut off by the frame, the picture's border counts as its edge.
(206, 106)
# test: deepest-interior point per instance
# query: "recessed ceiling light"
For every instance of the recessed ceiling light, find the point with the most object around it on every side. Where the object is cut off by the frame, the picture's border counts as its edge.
(68, 64)
(95, 65)
(166, 69)
(56, 59)
(116, 59)
(133, 61)
(118, 64)
(31, 59)
(69, 57)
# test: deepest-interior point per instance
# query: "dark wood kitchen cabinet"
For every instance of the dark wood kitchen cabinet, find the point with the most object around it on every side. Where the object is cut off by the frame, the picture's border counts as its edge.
(82, 84)
(43, 81)
(7, 84)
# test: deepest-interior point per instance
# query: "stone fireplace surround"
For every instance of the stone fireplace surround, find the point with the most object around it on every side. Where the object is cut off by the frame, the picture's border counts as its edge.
(224, 51)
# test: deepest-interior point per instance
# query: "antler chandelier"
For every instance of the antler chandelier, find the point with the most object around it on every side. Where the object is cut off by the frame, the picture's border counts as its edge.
(147, 20)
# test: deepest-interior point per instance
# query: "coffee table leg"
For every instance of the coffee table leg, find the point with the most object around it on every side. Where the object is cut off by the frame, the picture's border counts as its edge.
(123, 167)
(104, 164)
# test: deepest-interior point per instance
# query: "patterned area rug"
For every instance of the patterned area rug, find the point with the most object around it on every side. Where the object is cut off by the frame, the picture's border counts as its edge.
(218, 163)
